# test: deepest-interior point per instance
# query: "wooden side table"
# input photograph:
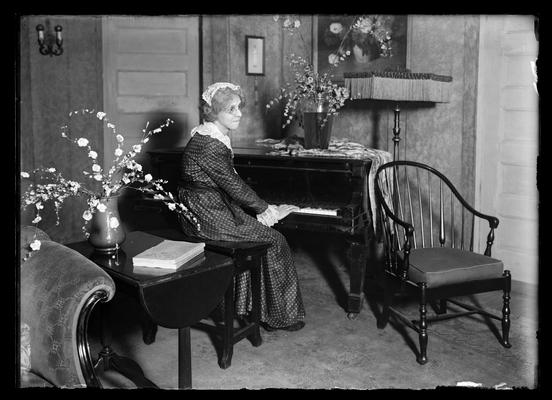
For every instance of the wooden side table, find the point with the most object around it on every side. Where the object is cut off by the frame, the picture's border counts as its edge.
(175, 299)
(247, 256)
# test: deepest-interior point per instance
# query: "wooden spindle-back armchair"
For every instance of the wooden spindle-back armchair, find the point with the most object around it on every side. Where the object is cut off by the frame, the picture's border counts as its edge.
(430, 249)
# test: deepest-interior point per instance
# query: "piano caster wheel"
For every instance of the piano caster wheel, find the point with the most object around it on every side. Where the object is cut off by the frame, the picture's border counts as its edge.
(352, 315)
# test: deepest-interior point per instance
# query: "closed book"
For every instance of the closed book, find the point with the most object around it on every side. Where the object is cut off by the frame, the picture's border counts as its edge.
(155, 271)
(169, 254)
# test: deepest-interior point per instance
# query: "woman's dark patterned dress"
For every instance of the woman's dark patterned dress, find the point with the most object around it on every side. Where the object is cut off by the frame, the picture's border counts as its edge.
(207, 176)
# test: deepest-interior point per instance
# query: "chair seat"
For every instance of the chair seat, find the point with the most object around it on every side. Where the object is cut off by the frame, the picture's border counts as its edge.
(438, 266)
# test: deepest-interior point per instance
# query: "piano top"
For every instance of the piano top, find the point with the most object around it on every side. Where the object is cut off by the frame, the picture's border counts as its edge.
(251, 149)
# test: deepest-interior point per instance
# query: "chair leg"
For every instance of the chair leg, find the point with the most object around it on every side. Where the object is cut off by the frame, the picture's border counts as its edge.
(443, 306)
(255, 337)
(422, 333)
(228, 333)
(439, 307)
(506, 311)
(387, 299)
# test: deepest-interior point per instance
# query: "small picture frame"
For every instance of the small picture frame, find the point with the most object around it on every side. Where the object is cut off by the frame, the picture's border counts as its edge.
(254, 55)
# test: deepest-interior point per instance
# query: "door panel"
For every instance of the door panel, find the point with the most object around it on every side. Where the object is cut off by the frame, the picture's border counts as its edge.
(151, 73)
(508, 144)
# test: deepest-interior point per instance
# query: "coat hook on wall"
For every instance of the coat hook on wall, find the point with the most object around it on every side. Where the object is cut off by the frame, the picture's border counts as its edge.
(47, 40)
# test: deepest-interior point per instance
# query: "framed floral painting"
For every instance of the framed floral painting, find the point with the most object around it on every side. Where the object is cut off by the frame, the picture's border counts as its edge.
(368, 43)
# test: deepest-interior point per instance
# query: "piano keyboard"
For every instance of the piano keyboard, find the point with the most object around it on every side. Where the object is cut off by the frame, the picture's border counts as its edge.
(316, 211)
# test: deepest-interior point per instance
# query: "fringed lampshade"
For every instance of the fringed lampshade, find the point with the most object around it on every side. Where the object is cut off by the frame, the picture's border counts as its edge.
(398, 86)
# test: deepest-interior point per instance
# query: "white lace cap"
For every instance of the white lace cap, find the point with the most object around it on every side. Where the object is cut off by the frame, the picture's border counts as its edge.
(212, 89)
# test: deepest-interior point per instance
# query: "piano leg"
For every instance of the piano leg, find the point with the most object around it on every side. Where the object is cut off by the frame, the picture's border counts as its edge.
(357, 263)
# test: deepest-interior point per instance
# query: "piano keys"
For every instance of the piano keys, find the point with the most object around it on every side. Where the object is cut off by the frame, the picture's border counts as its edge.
(316, 211)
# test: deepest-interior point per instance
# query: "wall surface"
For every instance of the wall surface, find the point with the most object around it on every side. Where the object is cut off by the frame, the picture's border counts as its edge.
(442, 135)
(51, 87)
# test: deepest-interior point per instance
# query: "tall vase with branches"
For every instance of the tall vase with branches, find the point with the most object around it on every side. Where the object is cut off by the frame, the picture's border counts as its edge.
(315, 91)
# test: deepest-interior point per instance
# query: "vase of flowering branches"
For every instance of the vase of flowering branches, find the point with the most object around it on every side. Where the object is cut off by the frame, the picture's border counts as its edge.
(313, 99)
(101, 187)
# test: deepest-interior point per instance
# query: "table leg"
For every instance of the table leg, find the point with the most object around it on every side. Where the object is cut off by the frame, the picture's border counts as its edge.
(184, 359)
(108, 359)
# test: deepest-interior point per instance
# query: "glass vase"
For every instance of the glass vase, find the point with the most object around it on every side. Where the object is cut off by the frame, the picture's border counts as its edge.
(317, 136)
(106, 231)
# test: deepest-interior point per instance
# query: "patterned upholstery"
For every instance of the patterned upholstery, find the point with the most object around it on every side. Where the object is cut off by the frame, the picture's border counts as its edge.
(55, 283)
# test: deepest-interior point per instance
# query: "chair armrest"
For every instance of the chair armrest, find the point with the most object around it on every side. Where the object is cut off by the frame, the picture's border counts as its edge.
(59, 288)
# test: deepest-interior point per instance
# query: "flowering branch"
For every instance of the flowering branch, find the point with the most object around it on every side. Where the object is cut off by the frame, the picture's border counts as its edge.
(123, 173)
(310, 90)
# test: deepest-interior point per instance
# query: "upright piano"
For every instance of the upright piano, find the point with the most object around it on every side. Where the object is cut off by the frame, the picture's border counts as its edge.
(332, 194)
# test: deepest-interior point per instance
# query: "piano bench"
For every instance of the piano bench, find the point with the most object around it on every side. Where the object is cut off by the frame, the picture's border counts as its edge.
(247, 256)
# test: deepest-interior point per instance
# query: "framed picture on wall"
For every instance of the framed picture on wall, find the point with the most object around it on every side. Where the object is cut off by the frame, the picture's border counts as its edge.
(254, 55)
(331, 31)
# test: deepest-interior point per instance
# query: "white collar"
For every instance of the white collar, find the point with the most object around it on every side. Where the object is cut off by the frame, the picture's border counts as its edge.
(210, 129)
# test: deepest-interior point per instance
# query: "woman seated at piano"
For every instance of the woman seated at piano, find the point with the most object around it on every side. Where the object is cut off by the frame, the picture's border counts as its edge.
(211, 188)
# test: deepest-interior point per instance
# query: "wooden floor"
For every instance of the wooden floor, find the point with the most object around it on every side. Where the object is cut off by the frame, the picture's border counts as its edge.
(335, 352)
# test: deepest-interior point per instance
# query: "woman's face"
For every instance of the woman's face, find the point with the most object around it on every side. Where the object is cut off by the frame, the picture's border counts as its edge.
(229, 118)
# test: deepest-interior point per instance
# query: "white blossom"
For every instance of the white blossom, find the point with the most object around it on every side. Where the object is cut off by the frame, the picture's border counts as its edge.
(35, 245)
(82, 142)
(336, 27)
(96, 168)
(98, 177)
(51, 170)
(100, 115)
(137, 148)
(101, 207)
(148, 177)
(24, 174)
(39, 205)
(333, 59)
(119, 137)
(113, 222)
(87, 215)
(118, 152)
(37, 219)
(93, 155)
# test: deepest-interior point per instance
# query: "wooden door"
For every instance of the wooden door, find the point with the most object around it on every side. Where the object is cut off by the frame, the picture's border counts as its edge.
(151, 73)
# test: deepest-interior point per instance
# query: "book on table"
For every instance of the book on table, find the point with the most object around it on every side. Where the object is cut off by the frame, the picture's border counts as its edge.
(168, 254)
